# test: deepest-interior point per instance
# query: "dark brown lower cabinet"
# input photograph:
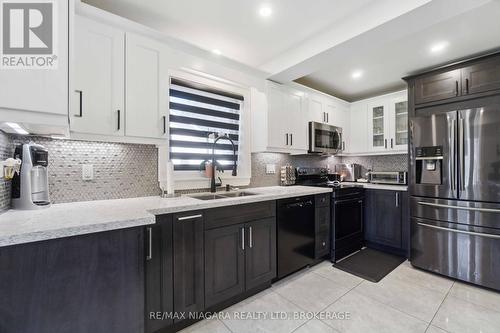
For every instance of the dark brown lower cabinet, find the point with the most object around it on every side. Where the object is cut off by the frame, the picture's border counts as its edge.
(90, 283)
(188, 250)
(159, 274)
(386, 220)
(239, 258)
(224, 263)
(260, 255)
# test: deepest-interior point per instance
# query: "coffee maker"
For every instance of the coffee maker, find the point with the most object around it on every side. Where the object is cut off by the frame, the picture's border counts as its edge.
(30, 188)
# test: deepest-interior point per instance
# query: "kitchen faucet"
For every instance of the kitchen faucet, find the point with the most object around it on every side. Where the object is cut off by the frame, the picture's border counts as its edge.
(234, 174)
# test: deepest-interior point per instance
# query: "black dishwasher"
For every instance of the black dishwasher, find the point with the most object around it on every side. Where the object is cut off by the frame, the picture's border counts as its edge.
(295, 234)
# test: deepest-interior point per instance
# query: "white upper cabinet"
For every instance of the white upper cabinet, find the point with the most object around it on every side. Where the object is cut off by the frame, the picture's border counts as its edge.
(97, 102)
(39, 95)
(398, 115)
(279, 125)
(147, 87)
(379, 125)
(358, 139)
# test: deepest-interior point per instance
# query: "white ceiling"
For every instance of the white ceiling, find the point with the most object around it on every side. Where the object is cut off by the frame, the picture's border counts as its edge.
(320, 42)
(385, 56)
(235, 28)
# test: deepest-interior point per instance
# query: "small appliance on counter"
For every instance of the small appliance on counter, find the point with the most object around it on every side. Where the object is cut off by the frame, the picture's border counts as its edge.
(348, 172)
(30, 188)
(388, 177)
(287, 175)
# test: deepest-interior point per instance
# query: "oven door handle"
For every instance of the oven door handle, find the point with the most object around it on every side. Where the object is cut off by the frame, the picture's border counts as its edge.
(358, 200)
(483, 210)
(472, 233)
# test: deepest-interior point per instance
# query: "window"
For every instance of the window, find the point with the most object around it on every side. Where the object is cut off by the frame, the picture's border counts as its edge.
(196, 112)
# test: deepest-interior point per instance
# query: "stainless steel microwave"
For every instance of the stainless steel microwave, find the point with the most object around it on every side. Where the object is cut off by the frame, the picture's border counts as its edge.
(324, 139)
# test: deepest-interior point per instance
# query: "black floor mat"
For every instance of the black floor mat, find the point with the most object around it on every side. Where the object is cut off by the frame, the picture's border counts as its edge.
(369, 264)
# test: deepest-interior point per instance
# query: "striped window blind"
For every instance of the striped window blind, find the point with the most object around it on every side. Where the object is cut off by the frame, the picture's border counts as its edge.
(196, 112)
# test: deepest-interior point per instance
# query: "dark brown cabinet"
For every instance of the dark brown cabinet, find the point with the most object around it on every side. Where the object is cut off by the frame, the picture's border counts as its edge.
(240, 250)
(322, 217)
(386, 220)
(224, 263)
(239, 258)
(437, 87)
(89, 283)
(159, 274)
(481, 77)
(188, 252)
(472, 78)
(260, 256)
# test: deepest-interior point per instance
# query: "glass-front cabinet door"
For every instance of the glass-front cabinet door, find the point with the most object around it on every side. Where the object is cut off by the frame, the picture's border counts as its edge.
(378, 131)
(399, 124)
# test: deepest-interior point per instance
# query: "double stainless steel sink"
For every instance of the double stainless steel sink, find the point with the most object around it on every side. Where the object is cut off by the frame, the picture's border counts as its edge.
(215, 196)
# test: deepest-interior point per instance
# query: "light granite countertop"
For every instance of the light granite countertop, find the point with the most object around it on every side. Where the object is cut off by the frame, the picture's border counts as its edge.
(79, 218)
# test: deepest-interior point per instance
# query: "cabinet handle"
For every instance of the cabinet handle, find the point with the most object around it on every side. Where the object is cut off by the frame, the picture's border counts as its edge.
(343, 145)
(397, 199)
(385, 143)
(324, 117)
(191, 217)
(286, 135)
(327, 117)
(250, 237)
(392, 143)
(150, 244)
(243, 239)
(81, 104)
(467, 86)
(119, 121)
(291, 139)
(164, 125)
(456, 87)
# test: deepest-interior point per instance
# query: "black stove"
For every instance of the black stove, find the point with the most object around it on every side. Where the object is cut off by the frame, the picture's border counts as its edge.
(347, 214)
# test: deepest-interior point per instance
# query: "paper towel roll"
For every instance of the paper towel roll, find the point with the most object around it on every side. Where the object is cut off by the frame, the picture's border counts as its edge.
(170, 178)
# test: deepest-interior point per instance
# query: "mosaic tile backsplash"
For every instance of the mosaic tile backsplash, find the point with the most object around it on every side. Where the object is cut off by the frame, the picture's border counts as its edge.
(120, 170)
(129, 170)
(377, 163)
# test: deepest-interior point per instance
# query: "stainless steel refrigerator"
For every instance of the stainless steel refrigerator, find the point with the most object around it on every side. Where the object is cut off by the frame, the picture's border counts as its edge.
(455, 190)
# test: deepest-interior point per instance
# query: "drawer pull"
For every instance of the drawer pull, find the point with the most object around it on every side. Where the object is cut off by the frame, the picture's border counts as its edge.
(191, 217)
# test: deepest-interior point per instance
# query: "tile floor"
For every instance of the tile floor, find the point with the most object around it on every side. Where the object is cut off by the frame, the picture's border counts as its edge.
(407, 300)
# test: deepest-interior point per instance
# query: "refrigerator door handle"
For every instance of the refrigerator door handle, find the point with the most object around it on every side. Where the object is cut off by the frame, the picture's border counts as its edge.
(461, 161)
(460, 231)
(451, 140)
(475, 209)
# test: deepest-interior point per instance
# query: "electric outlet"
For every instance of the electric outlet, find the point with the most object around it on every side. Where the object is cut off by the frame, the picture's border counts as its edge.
(270, 169)
(87, 172)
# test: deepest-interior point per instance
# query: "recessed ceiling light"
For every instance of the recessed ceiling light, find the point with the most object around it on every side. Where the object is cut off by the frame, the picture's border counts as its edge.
(438, 47)
(265, 11)
(357, 74)
(216, 52)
